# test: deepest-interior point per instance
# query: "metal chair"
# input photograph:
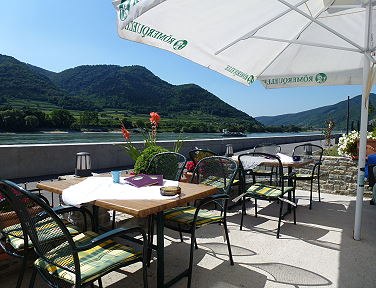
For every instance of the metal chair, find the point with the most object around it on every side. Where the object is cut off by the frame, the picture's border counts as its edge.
(215, 171)
(315, 152)
(171, 166)
(13, 240)
(168, 164)
(267, 148)
(268, 187)
(74, 261)
(197, 154)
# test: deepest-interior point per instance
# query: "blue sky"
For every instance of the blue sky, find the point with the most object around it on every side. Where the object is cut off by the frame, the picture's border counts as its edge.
(57, 35)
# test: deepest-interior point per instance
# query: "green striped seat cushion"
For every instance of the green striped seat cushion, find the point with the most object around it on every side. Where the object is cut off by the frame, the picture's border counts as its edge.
(266, 191)
(184, 217)
(15, 235)
(216, 182)
(94, 262)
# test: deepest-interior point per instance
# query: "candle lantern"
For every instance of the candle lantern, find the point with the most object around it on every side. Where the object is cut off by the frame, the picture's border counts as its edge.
(83, 164)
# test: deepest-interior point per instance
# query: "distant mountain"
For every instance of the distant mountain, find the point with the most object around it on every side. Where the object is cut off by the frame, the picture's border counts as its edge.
(316, 118)
(96, 87)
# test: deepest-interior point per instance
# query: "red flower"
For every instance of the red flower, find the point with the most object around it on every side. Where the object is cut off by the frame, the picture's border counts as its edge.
(190, 166)
(154, 118)
(125, 132)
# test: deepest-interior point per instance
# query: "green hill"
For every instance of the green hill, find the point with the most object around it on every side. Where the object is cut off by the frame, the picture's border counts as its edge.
(316, 118)
(132, 89)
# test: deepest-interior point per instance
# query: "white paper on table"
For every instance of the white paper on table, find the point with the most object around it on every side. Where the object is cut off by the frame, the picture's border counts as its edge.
(252, 162)
(97, 188)
(285, 158)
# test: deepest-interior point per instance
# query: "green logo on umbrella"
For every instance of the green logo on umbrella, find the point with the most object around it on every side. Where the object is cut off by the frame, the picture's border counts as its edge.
(180, 44)
(124, 8)
(321, 78)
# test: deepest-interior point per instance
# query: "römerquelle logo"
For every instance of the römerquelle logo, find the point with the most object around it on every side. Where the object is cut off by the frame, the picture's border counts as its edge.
(318, 78)
(146, 31)
(247, 77)
(124, 8)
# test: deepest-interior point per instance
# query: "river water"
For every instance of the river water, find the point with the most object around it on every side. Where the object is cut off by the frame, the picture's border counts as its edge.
(100, 137)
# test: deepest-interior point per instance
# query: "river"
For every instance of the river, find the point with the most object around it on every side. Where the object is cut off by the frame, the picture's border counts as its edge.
(100, 137)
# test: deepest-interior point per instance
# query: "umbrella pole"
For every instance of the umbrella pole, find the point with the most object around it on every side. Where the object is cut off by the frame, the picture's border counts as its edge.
(363, 129)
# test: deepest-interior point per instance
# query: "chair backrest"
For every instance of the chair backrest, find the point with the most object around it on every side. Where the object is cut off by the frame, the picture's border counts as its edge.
(40, 222)
(168, 164)
(267, 148)
(9, 223)
(261, 167)
(215, 171)
(197, 154)
(308, 150)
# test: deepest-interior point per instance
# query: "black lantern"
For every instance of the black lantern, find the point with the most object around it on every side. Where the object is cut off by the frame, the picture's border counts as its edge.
(83, 164)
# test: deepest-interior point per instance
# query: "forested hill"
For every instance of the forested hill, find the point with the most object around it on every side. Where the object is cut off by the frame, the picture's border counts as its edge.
(316, 118)
(98, 87)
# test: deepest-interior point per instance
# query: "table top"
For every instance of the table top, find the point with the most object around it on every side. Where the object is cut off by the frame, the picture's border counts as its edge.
(137, 208)
(290, 164)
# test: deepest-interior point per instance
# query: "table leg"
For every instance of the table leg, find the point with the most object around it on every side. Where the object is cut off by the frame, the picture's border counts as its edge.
(160, 250)
(290, 183)
(95, 217)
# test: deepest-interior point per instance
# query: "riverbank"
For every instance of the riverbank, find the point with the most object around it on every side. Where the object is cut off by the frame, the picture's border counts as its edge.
(61, 137)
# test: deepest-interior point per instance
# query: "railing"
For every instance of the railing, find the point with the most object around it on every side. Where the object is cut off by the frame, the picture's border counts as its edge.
(24, 161)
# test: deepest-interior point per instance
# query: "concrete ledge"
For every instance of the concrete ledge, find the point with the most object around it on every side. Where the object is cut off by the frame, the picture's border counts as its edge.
(24, 161)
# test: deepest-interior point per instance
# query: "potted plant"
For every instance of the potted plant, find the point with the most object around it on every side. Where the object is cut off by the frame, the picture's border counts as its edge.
(348, 145)
(143, 157)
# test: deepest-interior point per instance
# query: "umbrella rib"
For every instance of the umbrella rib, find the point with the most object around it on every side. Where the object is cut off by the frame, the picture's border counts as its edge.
(306, 43)
(254, 31)
(288, 45)
(322, 25)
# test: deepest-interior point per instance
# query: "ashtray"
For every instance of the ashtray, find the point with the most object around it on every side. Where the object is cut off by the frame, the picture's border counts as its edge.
(170, 190)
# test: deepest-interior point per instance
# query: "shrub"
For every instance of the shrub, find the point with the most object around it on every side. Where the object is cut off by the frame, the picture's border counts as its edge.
(143, 160)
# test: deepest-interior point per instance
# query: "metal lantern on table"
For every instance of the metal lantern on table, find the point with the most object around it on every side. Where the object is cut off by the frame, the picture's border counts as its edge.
(83, 164)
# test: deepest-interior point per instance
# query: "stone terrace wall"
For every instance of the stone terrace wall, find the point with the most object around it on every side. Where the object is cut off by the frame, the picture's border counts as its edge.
(338, 176)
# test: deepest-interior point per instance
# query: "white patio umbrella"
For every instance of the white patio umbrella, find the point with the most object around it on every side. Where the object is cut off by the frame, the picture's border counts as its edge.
(282, 43)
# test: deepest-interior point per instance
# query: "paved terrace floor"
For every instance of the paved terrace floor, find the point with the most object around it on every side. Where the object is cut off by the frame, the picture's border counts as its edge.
(317, 252)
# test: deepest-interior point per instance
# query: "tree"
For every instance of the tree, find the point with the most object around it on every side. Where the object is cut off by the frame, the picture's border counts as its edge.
(89, 119)
(61, 119)
(31, 122)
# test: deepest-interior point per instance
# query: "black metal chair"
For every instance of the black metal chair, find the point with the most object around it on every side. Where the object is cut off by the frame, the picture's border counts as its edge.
(267, 148)
(168, 164)
(315, 152)
(74, 261)
(197, 154)
(269, 186)
(215, 171)
(13, 240)
(171, 166)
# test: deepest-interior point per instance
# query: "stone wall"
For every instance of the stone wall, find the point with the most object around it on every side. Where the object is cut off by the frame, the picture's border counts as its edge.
(338, 176)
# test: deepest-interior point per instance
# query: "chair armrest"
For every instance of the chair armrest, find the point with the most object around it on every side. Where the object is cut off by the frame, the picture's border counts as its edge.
(211, 199)
(84, 211)
(111, 234)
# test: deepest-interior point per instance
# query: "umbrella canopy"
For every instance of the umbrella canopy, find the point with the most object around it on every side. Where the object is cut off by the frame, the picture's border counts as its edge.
(282, 43)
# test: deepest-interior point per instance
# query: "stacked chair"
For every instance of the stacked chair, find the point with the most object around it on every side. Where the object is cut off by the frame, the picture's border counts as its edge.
(66, 259)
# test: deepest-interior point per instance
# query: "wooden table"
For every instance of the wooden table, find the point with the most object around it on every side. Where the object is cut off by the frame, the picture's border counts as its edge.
(143, 208)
